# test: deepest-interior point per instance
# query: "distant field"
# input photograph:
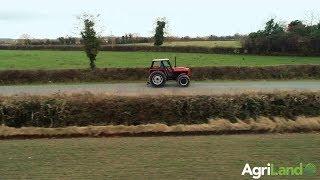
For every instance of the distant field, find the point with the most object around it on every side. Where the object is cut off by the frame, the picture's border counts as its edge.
(23, 59)
(206, 157)
(211, 44)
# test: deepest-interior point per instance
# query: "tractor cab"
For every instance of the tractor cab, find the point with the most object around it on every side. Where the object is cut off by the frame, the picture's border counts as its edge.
(161, 70)
(163, 65)
(157, 63)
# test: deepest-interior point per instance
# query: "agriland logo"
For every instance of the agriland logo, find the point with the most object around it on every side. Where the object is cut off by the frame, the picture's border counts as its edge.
(273, 170)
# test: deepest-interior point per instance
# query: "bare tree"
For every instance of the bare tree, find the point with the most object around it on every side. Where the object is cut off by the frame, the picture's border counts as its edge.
(25, 39)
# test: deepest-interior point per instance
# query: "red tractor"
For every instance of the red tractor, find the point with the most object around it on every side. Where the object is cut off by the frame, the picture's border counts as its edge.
(162, 71)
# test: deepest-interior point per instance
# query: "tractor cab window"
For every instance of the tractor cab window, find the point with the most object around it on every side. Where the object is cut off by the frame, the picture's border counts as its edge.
(166, 64)
(156, 64)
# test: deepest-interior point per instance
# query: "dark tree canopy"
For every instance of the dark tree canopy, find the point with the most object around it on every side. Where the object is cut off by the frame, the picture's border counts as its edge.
(159, 35)
(90, 40)
(296, 38)
(273, 28)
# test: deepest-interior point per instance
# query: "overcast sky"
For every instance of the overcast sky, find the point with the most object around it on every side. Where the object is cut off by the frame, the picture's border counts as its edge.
(54, 18)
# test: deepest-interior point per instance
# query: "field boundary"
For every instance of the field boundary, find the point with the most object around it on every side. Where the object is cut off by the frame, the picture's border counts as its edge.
(87, 109)
(135, 48)
(215, 127)
(130, 48)
(284, 72)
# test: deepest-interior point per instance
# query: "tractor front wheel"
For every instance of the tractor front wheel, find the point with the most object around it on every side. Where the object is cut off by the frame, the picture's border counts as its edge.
(157, 79)
(183, 80)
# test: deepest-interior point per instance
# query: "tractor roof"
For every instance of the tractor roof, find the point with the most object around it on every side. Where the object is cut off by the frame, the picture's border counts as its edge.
(160, 60)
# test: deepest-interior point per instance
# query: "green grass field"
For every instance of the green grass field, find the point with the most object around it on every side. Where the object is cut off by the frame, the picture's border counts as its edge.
(211, 44)
(15, 59)
(198, 157)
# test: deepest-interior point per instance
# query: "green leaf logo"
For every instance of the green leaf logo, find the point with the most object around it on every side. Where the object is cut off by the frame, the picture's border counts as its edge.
(310, 169)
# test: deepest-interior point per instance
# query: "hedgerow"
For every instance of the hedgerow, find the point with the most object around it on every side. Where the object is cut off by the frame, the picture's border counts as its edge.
(89, 109)
(178, 49)
(129, 74)
(129, 48)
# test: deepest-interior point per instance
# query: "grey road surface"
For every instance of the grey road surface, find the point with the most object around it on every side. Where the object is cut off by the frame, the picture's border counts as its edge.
(136, 89)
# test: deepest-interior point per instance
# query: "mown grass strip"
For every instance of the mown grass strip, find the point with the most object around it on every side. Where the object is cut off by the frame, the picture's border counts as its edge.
(188, 157)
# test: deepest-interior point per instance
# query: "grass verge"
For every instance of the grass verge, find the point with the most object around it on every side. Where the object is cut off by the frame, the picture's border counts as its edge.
(217, 126)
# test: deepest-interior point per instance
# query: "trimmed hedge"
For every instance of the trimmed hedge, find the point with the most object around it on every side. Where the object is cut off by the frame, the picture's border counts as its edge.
(178, 49)
(88, 109)
(182, 49)
(71, 75)
(284, 72)
(127, 74)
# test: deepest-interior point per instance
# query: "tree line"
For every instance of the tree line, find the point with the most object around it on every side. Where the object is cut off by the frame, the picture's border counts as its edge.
(295, 37)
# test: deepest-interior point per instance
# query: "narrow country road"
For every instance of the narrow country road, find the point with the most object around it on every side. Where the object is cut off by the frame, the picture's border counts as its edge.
(136, 89)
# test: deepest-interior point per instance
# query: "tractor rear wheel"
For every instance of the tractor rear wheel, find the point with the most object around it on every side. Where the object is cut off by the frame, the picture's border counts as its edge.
(183, 80)
(157, 79)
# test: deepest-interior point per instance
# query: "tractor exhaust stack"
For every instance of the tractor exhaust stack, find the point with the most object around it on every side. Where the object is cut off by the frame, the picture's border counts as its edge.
(175, 61)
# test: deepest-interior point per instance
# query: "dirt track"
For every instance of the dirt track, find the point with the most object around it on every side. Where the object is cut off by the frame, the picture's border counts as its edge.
(196, 88)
